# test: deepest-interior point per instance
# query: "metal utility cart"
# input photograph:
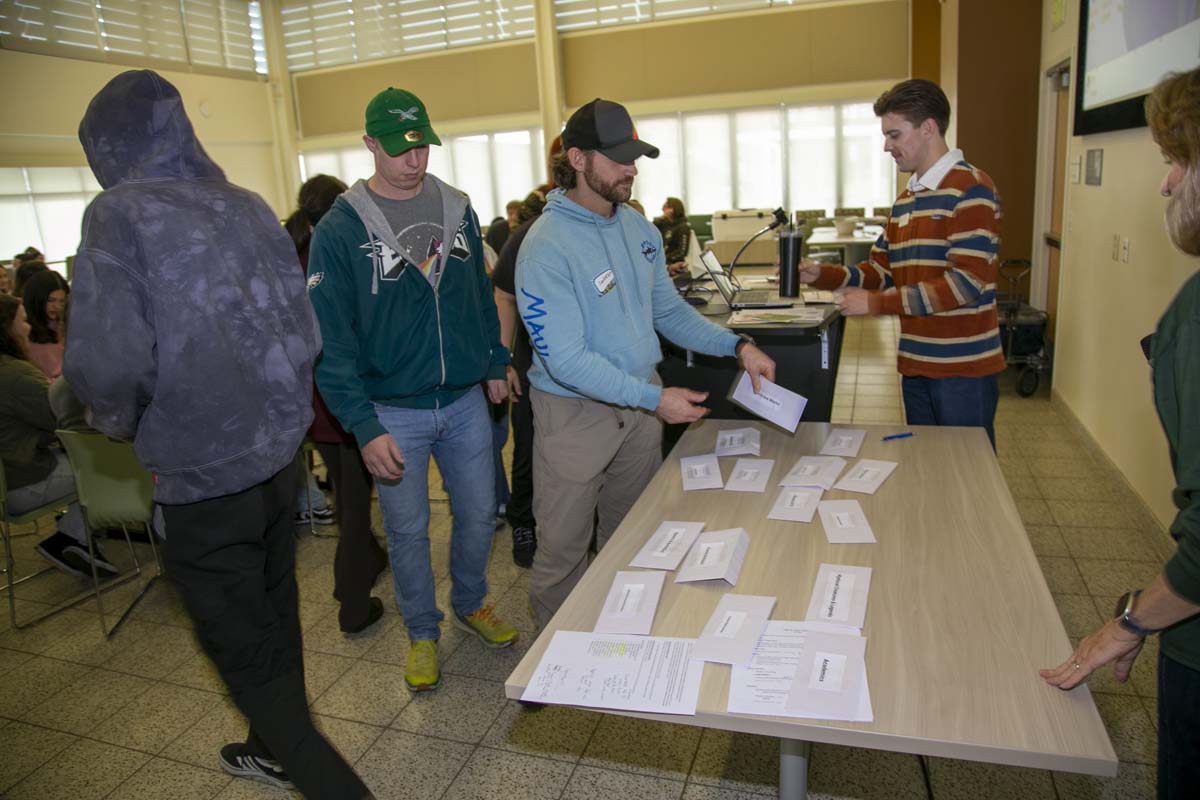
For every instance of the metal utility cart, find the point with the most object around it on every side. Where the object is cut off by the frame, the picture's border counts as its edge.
(1022, 328)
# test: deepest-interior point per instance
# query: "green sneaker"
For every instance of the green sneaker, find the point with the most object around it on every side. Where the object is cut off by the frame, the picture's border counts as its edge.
(421, 670)
(491, 630)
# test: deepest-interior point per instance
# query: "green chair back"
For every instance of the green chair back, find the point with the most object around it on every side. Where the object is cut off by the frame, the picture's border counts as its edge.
(702, 226)
(850, 211)
(114, 490)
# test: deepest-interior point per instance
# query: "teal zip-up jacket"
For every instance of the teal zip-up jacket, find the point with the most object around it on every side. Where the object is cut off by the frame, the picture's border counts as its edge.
(592, 291)
(1175, 360)
(389, 336)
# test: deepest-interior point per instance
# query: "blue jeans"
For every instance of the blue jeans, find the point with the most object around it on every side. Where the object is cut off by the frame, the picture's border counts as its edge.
(965, 402)
(459, 437)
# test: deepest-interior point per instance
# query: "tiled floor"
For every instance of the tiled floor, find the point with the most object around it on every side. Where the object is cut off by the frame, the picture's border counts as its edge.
(142, 716)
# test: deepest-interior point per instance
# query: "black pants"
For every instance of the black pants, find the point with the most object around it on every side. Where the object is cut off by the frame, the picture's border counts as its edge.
(520, 504)
(233, 559)
(359, 558)
(1178, 730)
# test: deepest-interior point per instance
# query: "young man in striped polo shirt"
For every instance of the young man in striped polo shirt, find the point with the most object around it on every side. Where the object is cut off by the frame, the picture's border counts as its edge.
(934, 265)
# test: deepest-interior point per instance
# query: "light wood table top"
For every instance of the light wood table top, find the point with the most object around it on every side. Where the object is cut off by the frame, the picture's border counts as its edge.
(959, 618)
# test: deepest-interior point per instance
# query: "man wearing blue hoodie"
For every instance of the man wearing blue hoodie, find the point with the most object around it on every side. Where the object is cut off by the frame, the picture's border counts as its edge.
(410, 332)
(592, 290)
(191, 336)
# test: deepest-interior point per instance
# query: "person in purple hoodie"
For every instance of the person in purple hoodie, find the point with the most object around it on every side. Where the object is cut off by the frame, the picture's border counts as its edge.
(191, 336)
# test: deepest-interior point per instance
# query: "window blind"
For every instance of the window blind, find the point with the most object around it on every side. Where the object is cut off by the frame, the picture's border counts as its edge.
(580, 14)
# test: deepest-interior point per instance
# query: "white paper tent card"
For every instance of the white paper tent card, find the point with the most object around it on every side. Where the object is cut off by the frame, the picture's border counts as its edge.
(606, 670)
(631, 603)
(701, 472)
(716, 555)
(750, 475)
(773, 402)
(734, 628)
(840, 595)
(830, 677)
(866, 476)
(821, 471)
(843, 442)
(796, 504)
(845, 522)
(668, 545)
(738, 442)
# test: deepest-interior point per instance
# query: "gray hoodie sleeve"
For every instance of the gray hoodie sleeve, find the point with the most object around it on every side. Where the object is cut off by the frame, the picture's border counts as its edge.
(110, 359)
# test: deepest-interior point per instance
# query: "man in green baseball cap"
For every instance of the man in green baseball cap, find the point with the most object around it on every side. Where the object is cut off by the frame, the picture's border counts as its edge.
(398, 120)
(411, 346)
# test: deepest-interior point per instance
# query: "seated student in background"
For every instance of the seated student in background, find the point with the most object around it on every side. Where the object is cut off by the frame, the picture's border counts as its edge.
(35, 472)
(45, 297)
(676, 233)
(934, 266)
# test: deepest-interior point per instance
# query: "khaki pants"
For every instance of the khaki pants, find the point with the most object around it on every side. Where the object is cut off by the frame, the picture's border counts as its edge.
(589, 460)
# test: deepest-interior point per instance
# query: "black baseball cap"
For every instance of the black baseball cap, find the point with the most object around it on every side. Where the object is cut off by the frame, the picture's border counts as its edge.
(605, 126)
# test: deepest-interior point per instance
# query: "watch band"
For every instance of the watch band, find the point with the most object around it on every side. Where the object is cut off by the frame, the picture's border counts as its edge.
(1124, 612)
(745, 339)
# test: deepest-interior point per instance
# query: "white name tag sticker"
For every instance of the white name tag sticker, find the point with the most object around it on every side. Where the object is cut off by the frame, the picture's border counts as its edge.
(829, 669)
(698, 471)
(604, 282)
(709, 553)
(629, 600)
(844, 519)
(835, 606)
(730, 624)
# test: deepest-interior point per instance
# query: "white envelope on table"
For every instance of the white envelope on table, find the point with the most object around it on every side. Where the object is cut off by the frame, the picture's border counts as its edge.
(845, 522)
(819, 471)
(716, 555)
(750, 475)
(668, 545)
(840, 595)
(701, 472)
(843, 442)
(734, 628)
(866, 476)
(762, 686)
(773, 403)
(631, 603)
(830, 676)
(796, 504)
(738, 442)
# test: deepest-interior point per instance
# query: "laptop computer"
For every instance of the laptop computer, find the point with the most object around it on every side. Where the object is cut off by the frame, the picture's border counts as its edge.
(734, 295)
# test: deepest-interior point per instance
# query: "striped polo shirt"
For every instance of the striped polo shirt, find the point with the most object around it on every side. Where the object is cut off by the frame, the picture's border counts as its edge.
(935, 266)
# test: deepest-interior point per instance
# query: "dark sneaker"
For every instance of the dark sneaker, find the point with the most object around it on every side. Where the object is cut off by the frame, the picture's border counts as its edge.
(235, 760)
(320, 516)
(524, 546)
(72, 558)
(374, 613)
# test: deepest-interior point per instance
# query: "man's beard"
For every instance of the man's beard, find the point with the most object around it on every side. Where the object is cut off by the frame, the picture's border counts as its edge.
(618, 191)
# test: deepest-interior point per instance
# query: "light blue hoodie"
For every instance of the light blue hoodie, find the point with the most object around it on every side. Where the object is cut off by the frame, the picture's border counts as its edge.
(592, 291)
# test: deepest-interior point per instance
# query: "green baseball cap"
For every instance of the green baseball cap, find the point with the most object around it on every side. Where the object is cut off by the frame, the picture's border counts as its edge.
(398, 119)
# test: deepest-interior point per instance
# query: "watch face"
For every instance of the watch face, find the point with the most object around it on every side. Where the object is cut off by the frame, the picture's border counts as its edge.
(1119, 611)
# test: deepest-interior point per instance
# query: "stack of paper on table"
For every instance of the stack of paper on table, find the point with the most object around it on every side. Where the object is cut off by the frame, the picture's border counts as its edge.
(631, 603)
(820, 471)
(866, 476)
(716, 555)
(750, 475)
(796, 504)
(738, 442)
(630, 673)
(777, 316)
(773, 402)
(843, 442)
(701, 472)
(763, 685)
(734, 628)
(845, 522)
(668, 545)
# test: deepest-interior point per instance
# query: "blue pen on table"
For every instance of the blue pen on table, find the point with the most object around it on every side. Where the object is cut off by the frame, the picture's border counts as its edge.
(896, 436)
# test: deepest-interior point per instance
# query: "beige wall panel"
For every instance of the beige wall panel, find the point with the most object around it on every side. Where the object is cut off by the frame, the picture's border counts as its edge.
(751, 52)
(454, 85)
(46, 97)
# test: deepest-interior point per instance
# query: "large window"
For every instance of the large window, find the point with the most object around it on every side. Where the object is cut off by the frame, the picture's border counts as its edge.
(43, 207)
(222, 35)
(492, 168)
(322, 33)
(576, 14)
(797, 157)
